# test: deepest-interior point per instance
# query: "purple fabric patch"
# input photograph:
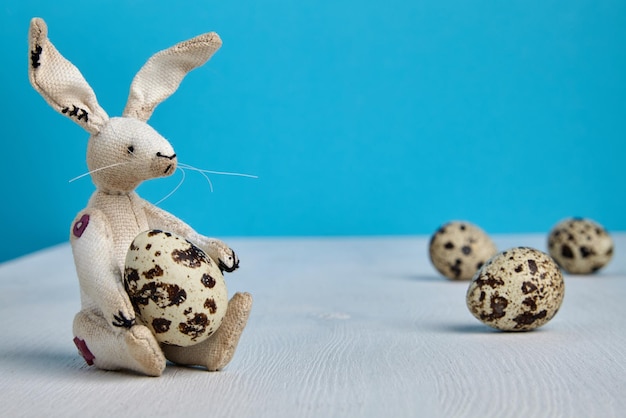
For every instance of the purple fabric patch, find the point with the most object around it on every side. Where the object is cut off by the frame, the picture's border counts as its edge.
(81, 225)
(83, 350)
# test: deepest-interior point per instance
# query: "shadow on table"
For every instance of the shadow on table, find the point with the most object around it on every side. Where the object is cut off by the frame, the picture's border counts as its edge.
(477, 328)
(39, 360)
(52, 365)
(467, 328)
(432, 278)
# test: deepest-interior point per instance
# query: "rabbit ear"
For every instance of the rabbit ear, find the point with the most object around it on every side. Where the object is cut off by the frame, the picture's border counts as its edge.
(162, 74)
(59, 81)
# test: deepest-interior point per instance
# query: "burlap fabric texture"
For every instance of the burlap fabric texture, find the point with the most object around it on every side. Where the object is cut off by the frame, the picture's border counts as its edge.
(121, 153)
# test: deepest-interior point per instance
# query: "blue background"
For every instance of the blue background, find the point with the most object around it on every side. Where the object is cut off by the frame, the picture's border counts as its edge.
(359, 117)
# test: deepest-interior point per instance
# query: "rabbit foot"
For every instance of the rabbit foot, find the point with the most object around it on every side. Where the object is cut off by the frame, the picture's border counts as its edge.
(145, 351)
(227, 336)
(216, 352)
(133, 349)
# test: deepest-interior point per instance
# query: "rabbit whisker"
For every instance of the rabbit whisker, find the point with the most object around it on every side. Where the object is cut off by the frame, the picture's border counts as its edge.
(97, 169)
(224, 173)
(175, 188)
(188, 167)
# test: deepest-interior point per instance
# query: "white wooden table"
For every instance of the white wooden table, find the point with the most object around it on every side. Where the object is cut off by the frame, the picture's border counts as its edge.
(340, 328)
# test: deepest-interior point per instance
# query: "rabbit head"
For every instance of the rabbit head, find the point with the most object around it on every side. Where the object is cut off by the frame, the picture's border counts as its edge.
(122, 151)
(125, 152)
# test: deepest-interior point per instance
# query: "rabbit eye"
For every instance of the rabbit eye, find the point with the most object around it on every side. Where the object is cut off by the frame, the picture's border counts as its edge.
(131, 149)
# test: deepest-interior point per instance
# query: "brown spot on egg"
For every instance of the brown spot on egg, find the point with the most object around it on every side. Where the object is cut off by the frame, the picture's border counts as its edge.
(566, 251)
(586, 251)
(144, 295)
(194, 326)
(162, 294)
(528, 318)
(161, 325)
(192, 257)
(176, 294)
(208, 281)
(210, 304)
(530, 302)
(131, 274)
(498, 305)
(155, 271)
(528, 287)
(456, 268)
(489, 280)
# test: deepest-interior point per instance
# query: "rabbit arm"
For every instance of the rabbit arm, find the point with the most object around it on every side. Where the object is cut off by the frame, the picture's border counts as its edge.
(98, 272)
(216, 249)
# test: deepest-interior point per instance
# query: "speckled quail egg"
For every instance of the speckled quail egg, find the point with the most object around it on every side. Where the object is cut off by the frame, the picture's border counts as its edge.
(580, 246)
(457, 249)
(517, 290)
(177, 290)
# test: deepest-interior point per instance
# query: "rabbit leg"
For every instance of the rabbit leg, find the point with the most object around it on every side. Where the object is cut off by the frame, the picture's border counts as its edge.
(217, 351)
(131, 349)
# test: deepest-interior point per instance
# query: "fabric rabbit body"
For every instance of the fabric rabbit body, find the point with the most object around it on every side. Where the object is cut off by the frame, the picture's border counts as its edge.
(121, 153)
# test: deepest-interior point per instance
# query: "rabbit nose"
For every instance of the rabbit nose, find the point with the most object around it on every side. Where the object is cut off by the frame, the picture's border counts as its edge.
(169, 169)
(169, 157)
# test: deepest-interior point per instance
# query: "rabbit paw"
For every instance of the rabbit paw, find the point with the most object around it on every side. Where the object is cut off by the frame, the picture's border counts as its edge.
(225, 257)
(229, 262)
(120, 320)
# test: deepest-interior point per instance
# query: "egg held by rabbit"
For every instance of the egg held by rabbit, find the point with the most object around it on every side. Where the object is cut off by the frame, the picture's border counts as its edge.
(177, 290)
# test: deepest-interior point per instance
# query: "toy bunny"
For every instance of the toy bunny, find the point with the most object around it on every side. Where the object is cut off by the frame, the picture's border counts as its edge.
(121, 153)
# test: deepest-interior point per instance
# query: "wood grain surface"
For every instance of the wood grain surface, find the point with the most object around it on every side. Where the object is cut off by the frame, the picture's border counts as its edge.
(344, 327)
